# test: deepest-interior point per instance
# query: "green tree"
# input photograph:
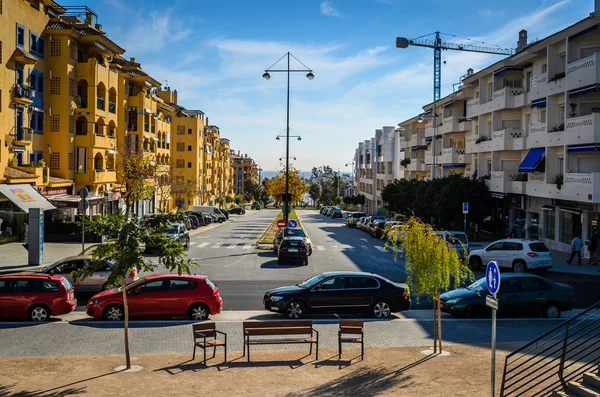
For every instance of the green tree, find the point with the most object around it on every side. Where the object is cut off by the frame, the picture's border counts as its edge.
(238, 199)
(432, 266)
(315, 192)
(249, 189)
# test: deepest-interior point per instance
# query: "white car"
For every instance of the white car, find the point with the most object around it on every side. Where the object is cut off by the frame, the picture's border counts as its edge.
(519, 255)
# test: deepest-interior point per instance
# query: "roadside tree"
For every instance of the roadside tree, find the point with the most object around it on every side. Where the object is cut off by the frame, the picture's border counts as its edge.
(315, 192)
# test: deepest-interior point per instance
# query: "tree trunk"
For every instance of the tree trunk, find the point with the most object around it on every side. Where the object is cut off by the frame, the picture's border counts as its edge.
(435, 319)
(439, 324)
(126, 325)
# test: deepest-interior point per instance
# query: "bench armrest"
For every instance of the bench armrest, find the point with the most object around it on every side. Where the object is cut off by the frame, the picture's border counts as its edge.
(316, 332)
(221, 332)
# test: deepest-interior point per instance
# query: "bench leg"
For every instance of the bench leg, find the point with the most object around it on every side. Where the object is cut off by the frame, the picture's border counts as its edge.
(310, 351)
(317, 344)
(362, 349)
(214, 351)
(194, 354)
(204, 355)
(225, 347)
(339, 349)
(248, 343)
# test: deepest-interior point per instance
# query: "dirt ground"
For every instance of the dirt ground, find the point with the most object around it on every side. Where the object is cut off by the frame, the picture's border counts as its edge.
(384, 372)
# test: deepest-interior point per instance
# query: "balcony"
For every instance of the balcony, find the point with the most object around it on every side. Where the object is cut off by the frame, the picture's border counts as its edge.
(471, 146)
(583, 130)
(473, 108)
(505, 98)
(454, 156)
(23, 94)
(23, 135)
(449, 124)
(104, 141)
(507, 139)
(583, 72)
(507, 182)
(416, 164)
(416, 140)
(577, 187)
(103, 176)
(429, 130)
(540, 137)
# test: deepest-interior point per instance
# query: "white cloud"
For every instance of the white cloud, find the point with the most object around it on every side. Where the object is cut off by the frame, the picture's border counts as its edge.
(491, 13)
(328, 9)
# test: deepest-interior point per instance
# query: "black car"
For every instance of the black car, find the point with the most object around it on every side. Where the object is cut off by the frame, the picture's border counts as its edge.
(199, 216)
(237, 211)
(224, 212)
(194, 221)
(293, 249)
(340, 292)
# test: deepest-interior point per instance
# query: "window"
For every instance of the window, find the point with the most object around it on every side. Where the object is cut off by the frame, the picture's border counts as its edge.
(570, 225)
(81, 159)
(362, 282)
(72, 50)
(67, 267)
(155, 286)
(36, 122)
(71, 124)
(495, 247)
(586, 52)
(509, 286)
(189, 165)
(189, 148)
(542, 115)
(182, 285)
(55, 123)
(180, 130)
(36, 43)
(512, 246)
(72, 87)
(70, 161)
(333, 283)
(189, 131)
(561, 113)
(20, 35)
(55, 48)
(530, 284)
(538, 247)
(179, 163)
(55, 86)
(180, 146)
(562, 61)
(55, 161)
(544, 68)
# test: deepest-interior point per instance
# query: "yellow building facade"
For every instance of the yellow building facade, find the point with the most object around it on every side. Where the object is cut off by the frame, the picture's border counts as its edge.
(244, 168)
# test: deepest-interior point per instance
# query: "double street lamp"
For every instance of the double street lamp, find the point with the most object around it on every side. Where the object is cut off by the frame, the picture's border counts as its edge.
(267, 76)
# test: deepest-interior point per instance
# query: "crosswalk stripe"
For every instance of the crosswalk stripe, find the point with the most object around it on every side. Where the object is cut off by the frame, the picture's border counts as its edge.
(203, 245)
(232, 245)
(320, 248)
(380, 248)
(247, 246)
(217, 245)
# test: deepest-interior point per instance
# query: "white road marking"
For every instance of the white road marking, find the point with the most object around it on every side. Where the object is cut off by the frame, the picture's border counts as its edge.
(320, 248)
(247, 246)
(335, 247)
(363, 239)
(217, 245)
(232, 245)
(380, 248)
(203, 245)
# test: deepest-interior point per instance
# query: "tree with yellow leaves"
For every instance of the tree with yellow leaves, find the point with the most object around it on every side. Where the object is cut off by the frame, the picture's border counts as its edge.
(297, 187)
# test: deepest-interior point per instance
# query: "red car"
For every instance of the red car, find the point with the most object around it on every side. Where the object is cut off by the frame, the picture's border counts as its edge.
(160, 295)
(35, 296)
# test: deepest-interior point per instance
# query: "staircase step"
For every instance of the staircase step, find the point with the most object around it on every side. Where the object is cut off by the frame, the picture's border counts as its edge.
(592, 381)
(579, 390)
(559, 394)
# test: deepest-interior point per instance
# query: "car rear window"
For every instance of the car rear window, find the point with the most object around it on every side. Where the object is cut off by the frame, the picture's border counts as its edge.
(295, 232)
(293, 243)
(211, 283)
(538, 247)
(458, 238)
(67, 284)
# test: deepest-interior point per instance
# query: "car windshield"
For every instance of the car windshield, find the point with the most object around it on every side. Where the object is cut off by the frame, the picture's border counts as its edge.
(478, 285)
(133, 286)
(309, 283)
(295, 232)
(538, 247)
(458, 238)
(173, 230)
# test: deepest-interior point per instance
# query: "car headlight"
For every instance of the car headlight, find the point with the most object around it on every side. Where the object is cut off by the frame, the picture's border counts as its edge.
(276, 298)
(95, 302)
(453, 301)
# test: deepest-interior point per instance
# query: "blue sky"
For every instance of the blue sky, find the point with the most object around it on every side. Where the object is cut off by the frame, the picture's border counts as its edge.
(214, 54)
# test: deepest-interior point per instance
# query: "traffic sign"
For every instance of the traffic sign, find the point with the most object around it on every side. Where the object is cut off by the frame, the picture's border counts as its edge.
(292, 223)
(83, 205)
(491, 302)
(465, 208)
(281, 223)
(492, 276)
(83, 192)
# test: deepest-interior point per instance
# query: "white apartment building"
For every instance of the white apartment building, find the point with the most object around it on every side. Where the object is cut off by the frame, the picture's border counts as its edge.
(377, 162)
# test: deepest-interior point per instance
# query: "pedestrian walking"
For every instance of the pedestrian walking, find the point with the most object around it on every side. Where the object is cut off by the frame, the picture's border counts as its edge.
(592, 248)
(575, 249)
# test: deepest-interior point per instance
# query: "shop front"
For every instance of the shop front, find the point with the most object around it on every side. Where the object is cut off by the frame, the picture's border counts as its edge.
(496, 225)
(517, 216)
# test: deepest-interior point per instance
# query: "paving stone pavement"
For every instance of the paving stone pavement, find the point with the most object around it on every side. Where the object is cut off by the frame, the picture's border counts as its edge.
(79, 338)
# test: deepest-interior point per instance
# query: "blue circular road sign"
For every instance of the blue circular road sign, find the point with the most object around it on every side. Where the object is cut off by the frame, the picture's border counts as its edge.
(492, 277)
(292, 223)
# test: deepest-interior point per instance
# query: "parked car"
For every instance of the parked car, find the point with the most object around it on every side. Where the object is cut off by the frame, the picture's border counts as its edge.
(224, 212)
(210, 209)
(353, 218)
(199, 216)
(96, 282)
(340, 292)
(211, 217)
(177, 231)
(293, 249)
(519, 255)
(291, 232)
(370, 224)
(160, 295)
(377, 228)
(194, 221)
(90, 249)
(35, 297)
(322, 210)
(345, 214)
(336, 213)
(458, 239)
(237, 211)
(519, 295)
(360, 223)
(387, 227)
(187, 222)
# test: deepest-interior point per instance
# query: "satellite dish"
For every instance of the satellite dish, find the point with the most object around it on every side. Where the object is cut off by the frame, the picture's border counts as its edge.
(401, 42)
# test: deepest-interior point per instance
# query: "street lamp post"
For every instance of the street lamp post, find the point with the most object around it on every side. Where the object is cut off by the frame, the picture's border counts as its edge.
(352, 172)
(433, 142)
(267, 76)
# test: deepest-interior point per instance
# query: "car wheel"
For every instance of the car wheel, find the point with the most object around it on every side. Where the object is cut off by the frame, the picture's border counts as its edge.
(552, 311)
(187, 243)
(381, 309)
(519, 266)
(278, 261)
(199, 311)
(221, 220)
(473, 311)
(38, 314)
(294, 310)
(114, 313)
(475, 263)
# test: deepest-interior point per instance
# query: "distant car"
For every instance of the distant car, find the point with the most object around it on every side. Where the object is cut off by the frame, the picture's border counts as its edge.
(345, 214)
(194, 221)
(353, 218)
(199, 216)
(237, 211)
(519, 295)
(387, 227)
(377, 228)
(339, 292)
(458, 239)
(96, 282)
(35, 297)
(291, 232)
(177, 231)
(336, 213)
(519, 255)
(323, 210)
(361, 222)
(255, 206)
(160, 295)
(224, 212)
(187, 222)
(212, 217)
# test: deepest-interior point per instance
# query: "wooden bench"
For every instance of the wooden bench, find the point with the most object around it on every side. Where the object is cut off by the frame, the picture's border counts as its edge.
(291, 332)
(201, 331)
(351, 331)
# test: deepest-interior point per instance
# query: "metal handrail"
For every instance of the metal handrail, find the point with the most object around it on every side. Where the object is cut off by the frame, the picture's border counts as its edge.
(555, 358)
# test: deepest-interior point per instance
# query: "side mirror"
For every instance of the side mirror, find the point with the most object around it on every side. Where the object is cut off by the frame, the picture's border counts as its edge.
(137, 291)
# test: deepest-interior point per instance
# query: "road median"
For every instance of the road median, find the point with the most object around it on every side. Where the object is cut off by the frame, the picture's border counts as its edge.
(266, 240)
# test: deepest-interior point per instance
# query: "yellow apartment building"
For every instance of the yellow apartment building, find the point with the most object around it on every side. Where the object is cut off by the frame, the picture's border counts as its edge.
(244, 168)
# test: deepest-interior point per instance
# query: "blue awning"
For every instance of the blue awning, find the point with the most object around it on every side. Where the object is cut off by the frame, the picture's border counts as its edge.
(533, 161)
(538, 103)
(583, 91)
(419, 147)
(427, 113)
(584, 31)
(582, 148)
(507, 69)
(448, 104)
(402, 149)
(450, 165)
(429, 139)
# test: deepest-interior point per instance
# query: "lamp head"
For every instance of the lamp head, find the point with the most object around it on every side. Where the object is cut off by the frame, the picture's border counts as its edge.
(277, 138)
(299, 138)
(420, 119)
(310, 75)
(266, 76)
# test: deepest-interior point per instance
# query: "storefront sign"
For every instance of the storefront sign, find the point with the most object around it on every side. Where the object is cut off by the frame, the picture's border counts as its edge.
(54, 191)
(22, 195)
(573, 204)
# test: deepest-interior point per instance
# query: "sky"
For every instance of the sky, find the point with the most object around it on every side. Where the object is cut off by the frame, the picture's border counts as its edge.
(215, 52)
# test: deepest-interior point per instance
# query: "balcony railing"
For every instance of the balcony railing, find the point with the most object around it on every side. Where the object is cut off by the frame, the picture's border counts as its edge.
(540, 128)
(23, 134)
(21, 91)
(537, 177)
(100, 103)
(583, 72)
(583, 130)
(112, 107)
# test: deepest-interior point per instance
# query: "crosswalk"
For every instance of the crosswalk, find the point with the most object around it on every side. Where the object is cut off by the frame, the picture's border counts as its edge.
(221, 245)
(331, 247)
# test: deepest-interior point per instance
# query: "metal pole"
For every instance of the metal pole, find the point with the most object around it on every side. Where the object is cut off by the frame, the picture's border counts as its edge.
(494, 350)
(83, 229)
(465, 223)
(287, 147)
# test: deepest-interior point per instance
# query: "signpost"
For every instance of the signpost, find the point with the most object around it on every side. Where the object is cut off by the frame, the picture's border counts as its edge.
(281, 223)
(83, 206)
(292, 223)
(465, 212)
(492, 276)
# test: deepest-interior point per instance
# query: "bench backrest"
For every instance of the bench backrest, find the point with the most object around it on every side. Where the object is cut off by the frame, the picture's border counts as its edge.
(263, 328)
(351, 326)
(206, 329)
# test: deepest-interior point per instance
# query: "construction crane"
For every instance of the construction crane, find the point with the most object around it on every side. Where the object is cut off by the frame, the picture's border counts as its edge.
(438, 45)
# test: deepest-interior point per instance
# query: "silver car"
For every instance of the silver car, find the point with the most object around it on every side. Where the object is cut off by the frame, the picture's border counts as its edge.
(96, 282)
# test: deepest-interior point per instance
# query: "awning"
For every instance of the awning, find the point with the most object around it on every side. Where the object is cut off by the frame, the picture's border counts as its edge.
(582, 148)
(448, 104)
(584, 31)
(429, 139)
(18, 149)
(72, 200)
(402, 149)
(546, 207)
(427, 112)
(497, 196)
(583, 91)
(419, 147)
(507, 69)
(450, 165)
(539, 103)
(533, 161)
(25, 197)
(111, 151)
